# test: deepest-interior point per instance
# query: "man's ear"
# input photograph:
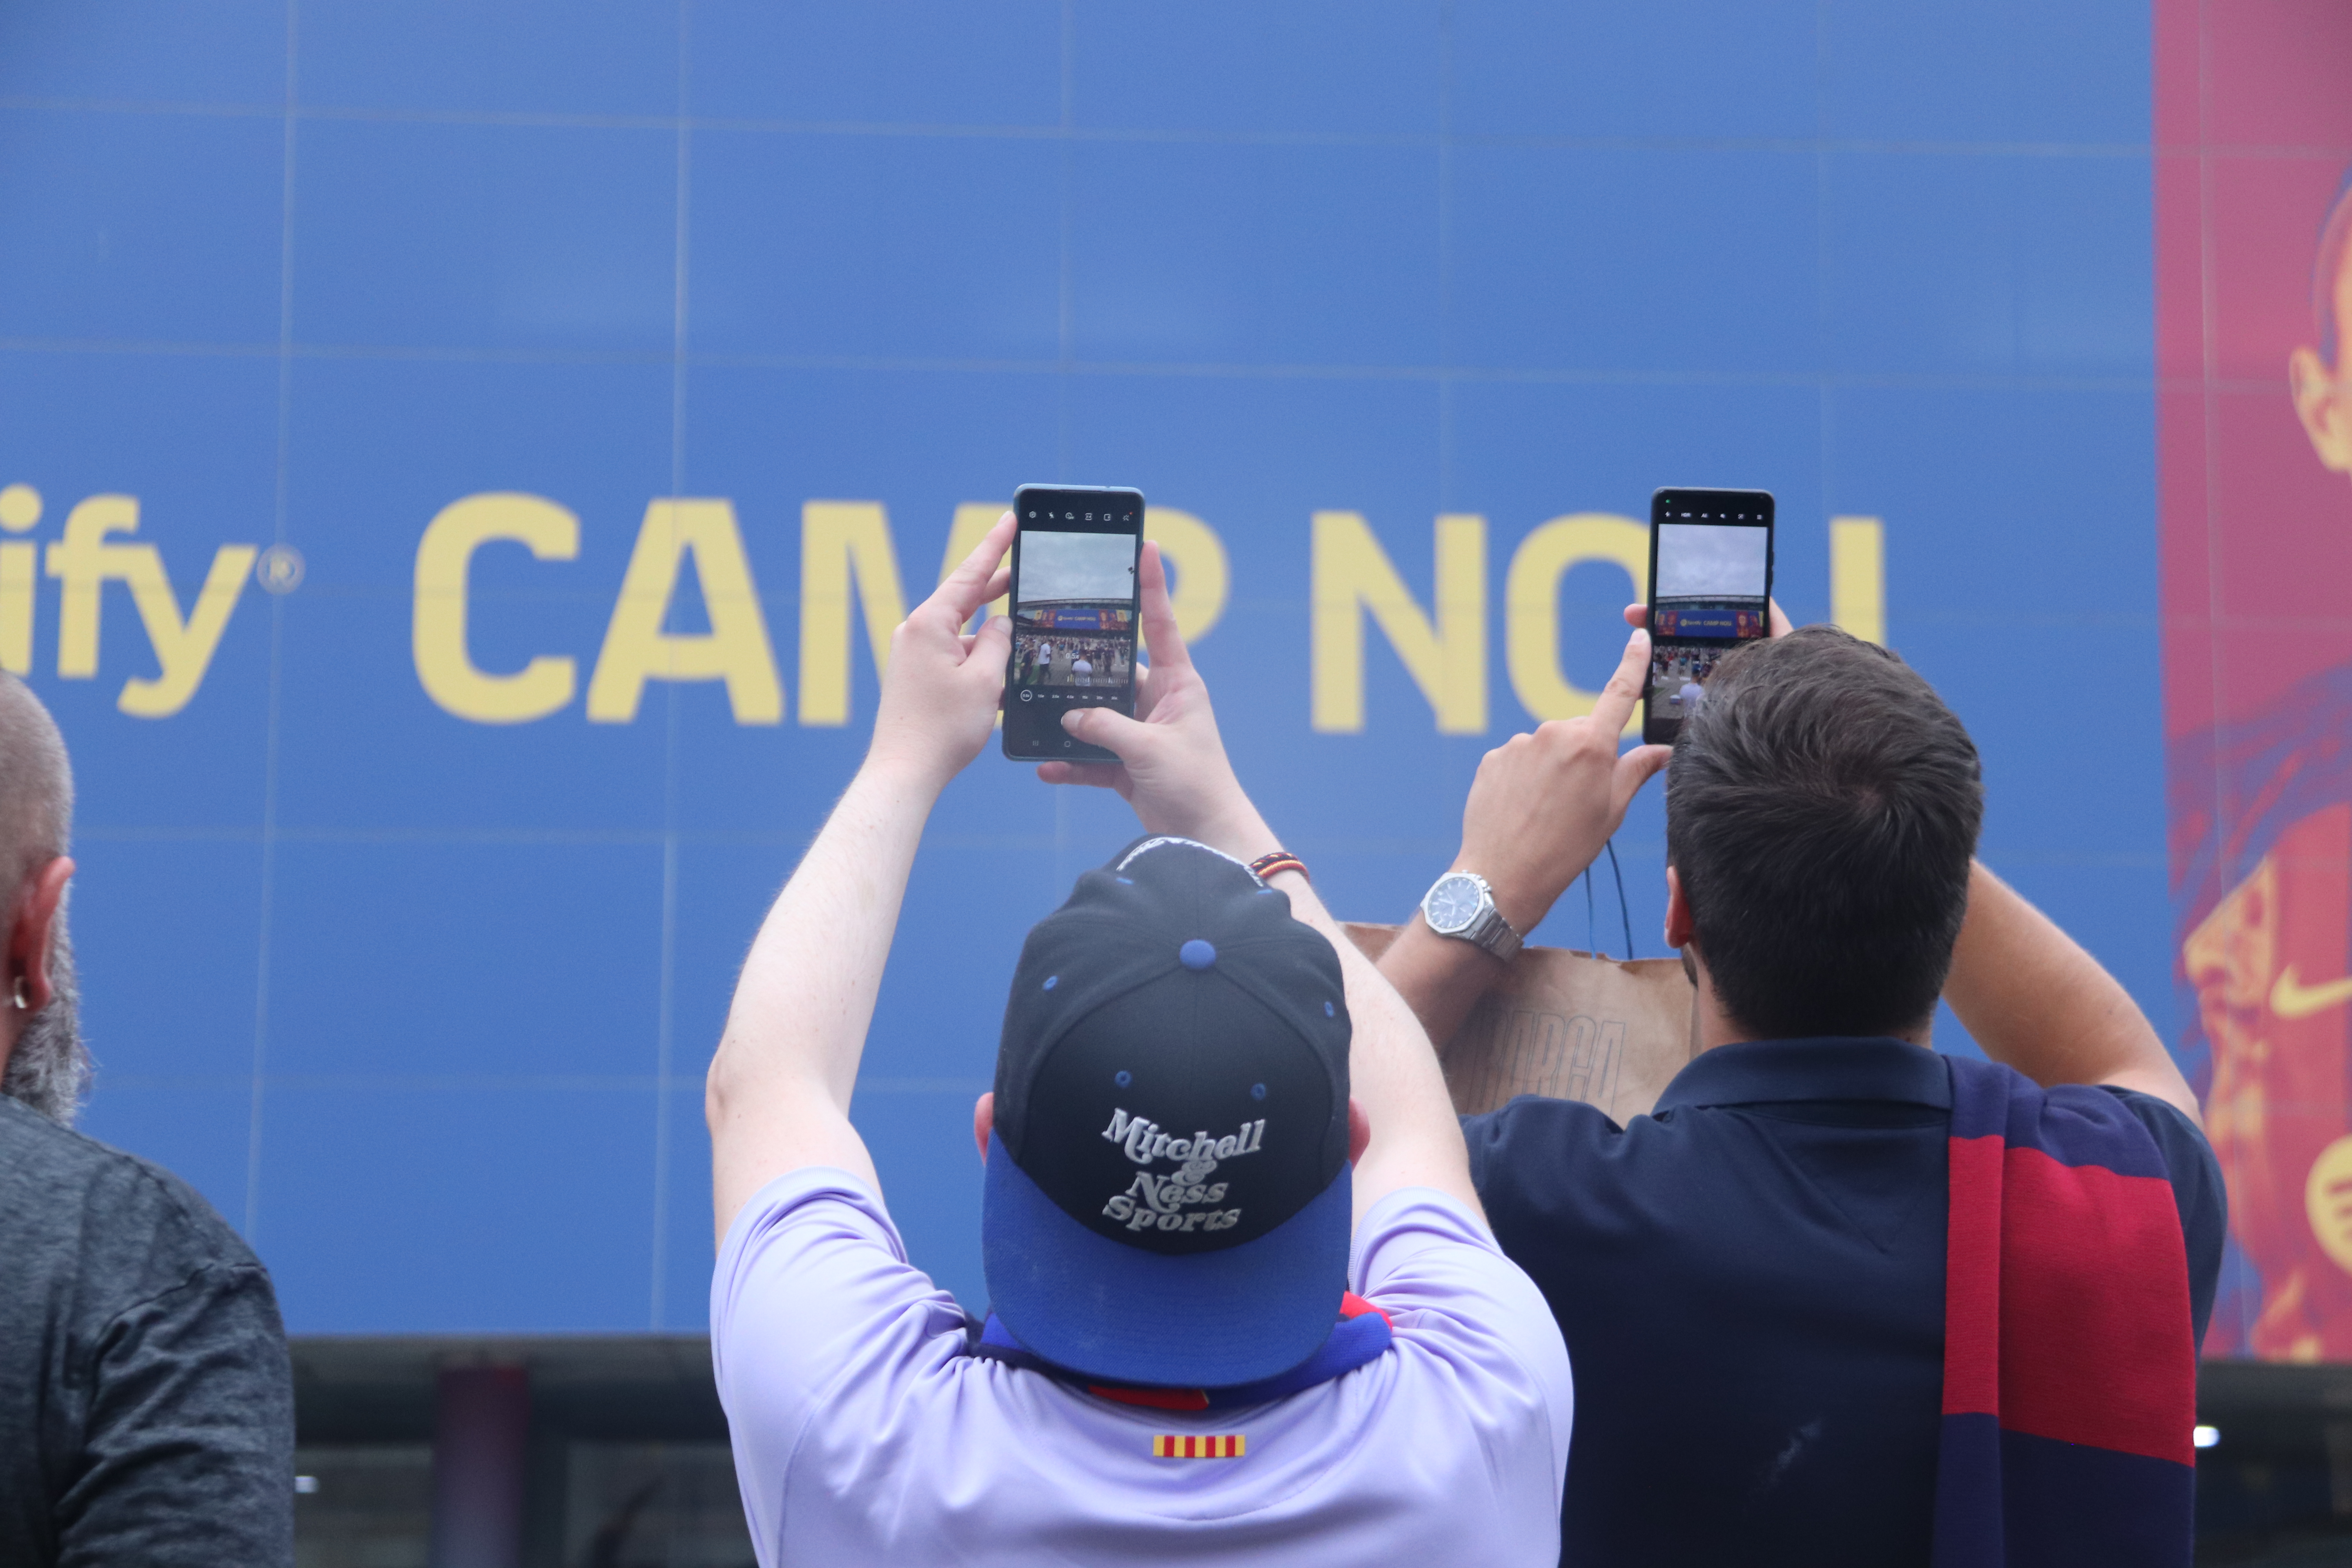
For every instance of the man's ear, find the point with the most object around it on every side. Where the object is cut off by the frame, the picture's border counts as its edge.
(983, 1122)
(1359, 1129)
(1681, 930)
(2325, 405)
(29, 939)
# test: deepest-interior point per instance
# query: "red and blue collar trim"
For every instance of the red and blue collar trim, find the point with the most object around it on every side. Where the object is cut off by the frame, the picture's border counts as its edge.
(1362, 1335)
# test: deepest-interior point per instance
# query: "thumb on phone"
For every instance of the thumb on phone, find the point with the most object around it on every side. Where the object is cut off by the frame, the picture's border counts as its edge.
(992, 645)
(1634, 769)
(1112, 731)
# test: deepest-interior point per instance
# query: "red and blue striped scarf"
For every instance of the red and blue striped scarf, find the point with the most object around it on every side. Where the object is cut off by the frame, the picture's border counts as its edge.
(2070, 1371)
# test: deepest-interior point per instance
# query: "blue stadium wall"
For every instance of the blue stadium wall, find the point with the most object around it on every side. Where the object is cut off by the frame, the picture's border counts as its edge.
(411, 960)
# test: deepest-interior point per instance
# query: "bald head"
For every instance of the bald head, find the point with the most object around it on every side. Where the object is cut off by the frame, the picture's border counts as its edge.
(42, 1060)
(36, 784)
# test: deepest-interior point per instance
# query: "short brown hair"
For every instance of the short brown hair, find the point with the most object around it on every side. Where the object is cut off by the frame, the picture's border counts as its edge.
(2335, 247)
(1821, 811)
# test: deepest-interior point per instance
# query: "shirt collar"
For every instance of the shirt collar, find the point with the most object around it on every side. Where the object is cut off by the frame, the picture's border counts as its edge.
(1762, 1072)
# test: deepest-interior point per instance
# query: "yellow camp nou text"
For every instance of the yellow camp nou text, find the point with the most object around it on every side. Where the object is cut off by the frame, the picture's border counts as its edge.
(850, 574)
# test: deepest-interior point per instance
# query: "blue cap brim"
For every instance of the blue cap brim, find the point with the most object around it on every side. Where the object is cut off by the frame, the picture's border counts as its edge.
(1202, 1320)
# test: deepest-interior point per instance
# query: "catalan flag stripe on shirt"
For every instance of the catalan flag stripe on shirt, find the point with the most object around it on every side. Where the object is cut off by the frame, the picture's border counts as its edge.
(1223, 1445)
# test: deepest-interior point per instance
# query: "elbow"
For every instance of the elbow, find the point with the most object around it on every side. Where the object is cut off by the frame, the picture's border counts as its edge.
(721, 1086)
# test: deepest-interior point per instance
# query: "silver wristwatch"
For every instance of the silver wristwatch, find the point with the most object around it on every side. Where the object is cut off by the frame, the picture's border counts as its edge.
(1460, 904)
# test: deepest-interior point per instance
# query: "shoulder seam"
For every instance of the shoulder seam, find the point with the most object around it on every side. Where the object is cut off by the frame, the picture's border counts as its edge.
(193, 1276)
(106, 1333)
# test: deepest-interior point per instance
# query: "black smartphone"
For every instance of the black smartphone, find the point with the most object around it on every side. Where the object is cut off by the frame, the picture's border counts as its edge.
(1075, 604)
(1710, 590)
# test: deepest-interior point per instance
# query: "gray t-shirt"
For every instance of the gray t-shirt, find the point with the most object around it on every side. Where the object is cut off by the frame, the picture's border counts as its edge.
(146, 1401)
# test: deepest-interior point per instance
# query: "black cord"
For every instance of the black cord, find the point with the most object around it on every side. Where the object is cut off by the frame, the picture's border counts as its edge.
(1589, 946)
(1622, 906)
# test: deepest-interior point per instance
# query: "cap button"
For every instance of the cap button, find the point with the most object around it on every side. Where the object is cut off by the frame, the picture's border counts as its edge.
(1197, 954)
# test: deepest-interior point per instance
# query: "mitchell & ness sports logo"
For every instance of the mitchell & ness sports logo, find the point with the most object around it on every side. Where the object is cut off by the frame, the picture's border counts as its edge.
(1160, 1202)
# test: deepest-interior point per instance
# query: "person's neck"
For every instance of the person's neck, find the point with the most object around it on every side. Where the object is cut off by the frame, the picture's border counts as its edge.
(1711, 1027)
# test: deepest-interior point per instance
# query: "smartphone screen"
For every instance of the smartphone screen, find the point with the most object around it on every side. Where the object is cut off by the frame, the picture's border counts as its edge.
(1710, 590)
(1074, 615)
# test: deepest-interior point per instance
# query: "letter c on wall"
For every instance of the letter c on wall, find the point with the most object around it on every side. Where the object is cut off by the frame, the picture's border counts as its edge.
(1531, 604)
(445, 558)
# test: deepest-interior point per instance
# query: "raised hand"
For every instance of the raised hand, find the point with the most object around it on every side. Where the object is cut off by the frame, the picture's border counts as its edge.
(1172, 766)
(941, 695)
(1544, 803)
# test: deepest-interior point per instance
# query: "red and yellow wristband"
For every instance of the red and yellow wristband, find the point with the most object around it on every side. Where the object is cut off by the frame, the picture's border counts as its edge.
(1281, 860)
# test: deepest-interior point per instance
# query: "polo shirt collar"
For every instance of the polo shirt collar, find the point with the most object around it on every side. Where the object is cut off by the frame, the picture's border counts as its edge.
(1762, 1072)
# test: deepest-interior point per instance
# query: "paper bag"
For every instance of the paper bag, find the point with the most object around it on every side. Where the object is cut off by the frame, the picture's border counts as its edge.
(1568, 1026)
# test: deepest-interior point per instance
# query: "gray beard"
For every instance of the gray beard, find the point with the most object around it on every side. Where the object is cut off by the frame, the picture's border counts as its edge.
(49, 1068)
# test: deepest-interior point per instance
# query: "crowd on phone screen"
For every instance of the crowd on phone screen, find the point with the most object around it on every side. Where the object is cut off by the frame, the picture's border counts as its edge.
(1256, 1292)
(1071, 661)
(1678, 665)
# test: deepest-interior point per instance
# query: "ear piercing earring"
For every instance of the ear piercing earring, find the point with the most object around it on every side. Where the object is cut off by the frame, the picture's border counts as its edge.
(18, 996)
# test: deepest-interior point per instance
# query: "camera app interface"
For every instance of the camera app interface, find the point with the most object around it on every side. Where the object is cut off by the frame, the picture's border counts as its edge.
(1073, 618)
(1710, 596)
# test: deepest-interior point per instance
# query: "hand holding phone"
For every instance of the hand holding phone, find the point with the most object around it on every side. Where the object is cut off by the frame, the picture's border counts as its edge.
(941, 693)
(1544, 803)
(1171, 765)
(1075, 609)
(1710, 591)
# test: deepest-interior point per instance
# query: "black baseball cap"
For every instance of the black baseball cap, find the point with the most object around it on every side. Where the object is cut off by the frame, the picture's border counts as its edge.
(1166, 1197)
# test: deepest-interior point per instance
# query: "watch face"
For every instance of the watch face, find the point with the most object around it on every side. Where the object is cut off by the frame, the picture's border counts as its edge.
(1452, 905)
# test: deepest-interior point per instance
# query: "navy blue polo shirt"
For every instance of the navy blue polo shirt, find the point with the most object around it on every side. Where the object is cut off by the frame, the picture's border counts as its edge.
(1750, 1280)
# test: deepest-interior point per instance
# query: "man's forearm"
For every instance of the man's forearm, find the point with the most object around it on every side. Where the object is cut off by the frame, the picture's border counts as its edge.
(1392, 1071)
(807, 990)
(1394, 1075)
(2034, 999)
(780, 1085)
(1440, 978)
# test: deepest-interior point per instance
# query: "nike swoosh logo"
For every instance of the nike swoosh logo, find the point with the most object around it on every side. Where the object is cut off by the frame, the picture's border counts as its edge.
(2290, 999)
